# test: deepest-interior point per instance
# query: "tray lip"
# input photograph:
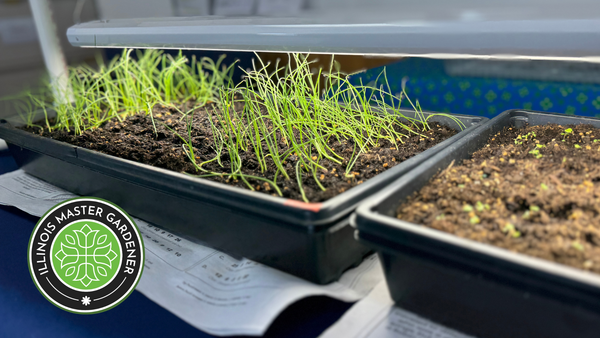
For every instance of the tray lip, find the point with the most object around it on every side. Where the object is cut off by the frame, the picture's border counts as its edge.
(366, 213)
(313, 215)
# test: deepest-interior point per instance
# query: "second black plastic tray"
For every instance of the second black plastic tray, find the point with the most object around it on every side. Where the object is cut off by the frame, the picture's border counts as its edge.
(310, 240)
(471, 286)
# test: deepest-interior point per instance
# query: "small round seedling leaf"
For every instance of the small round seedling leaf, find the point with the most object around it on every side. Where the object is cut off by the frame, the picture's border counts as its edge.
(70, 239)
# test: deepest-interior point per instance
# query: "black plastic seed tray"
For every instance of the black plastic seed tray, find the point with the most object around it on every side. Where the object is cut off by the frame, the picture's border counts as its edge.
(474, 287)
(311, 240)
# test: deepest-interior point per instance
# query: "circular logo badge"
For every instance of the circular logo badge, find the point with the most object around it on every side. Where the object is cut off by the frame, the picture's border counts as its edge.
(86, 255)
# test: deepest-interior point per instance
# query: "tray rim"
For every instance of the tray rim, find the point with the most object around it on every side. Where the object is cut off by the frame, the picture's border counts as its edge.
(311, 215)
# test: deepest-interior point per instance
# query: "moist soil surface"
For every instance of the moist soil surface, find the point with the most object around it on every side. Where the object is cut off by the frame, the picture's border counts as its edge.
(135, 139)
(527, 191)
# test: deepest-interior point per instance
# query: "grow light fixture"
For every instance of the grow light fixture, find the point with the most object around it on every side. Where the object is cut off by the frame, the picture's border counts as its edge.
(555, 39)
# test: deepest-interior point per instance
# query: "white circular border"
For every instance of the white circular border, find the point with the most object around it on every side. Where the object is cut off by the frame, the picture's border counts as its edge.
(137, 233)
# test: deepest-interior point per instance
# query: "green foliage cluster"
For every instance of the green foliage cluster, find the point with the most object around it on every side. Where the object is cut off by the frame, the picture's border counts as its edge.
(522, 138)
(126, 86)
(286, 106)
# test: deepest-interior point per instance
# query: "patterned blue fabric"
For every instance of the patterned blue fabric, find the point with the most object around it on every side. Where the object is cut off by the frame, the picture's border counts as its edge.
(437, 91)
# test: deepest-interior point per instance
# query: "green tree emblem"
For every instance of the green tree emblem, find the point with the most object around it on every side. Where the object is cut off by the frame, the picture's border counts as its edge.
(85, 255)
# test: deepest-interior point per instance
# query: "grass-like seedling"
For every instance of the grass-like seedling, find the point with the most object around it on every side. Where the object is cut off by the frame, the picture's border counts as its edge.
(126, 86)
(290, 109)
(279, 117)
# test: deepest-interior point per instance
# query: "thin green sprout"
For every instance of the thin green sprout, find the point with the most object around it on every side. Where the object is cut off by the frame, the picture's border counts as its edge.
(283, 106)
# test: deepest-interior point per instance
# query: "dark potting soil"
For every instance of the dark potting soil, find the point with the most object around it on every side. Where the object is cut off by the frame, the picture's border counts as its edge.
(537, 195)
(135, 139)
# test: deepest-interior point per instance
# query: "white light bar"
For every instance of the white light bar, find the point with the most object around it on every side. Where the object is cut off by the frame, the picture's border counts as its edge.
(508, 39)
